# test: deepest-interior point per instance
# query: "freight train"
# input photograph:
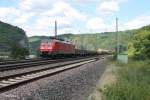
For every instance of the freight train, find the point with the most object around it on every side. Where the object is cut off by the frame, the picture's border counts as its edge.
(55, 47)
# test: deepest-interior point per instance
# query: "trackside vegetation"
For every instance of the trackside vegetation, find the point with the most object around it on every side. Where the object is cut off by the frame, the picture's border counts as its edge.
(133, 82)
(139, 47)
(133, 79)
(18, 52)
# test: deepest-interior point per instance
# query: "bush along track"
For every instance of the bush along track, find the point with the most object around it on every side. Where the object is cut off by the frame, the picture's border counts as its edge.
(133, 82)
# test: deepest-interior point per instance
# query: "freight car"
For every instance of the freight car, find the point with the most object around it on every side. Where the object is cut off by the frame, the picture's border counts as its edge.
(55, 47)
(79, 52)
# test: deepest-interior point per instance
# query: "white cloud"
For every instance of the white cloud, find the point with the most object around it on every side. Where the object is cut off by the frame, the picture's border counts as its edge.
(14, 16)
(8, 14)
(137, 22)
(98, 25)
(5, 11)
(65, 15)
(95, 23)
(108, 7)
(48, 22)
(60, 8)
(37, 17)
(85, 1)
(23, 18)
(64, 9)
(35, 4)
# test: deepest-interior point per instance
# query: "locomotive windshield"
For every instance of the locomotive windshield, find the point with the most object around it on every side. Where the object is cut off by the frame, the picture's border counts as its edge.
(46, 42)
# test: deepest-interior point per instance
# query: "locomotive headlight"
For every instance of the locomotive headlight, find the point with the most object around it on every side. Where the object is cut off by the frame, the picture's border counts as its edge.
(42, 48)
(49, 48)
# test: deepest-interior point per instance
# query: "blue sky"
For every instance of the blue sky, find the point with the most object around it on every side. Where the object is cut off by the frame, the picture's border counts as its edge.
(37, 17)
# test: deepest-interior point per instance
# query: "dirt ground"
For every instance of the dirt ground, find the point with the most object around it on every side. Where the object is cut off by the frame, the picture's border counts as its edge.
(107, 78)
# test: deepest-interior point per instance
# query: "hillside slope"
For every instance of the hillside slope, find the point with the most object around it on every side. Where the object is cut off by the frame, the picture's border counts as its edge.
(10, 36)
(139, 47)
(90, 41)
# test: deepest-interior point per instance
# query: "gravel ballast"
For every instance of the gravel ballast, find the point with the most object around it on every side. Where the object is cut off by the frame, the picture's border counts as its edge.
(75, 84)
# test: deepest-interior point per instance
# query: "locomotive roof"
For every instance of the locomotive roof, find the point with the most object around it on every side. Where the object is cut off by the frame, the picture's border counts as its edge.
(57, 40)
(61, 40)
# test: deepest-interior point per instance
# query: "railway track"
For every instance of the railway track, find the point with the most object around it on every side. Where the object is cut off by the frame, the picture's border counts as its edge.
(13, 81)
(31, 63)
(6, 62)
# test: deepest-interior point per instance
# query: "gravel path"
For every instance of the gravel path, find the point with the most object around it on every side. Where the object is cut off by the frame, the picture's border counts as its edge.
(75, 84)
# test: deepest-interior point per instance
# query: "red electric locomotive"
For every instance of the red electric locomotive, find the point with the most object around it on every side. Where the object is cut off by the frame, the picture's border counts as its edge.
(56, 47)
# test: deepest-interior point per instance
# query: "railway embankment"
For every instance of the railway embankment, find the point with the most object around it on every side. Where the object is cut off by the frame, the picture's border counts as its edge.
(124, 82)
(107, 79)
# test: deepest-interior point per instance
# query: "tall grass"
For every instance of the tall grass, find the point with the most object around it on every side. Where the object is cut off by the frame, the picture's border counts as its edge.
(133, 82)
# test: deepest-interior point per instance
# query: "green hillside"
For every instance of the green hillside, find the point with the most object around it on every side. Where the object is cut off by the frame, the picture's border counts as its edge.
(139, 47)
(90, 41)
(11, 36)
(136, 41)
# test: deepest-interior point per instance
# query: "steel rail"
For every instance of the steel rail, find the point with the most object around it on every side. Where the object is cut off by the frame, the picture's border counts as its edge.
(32, 64)
(13, 81)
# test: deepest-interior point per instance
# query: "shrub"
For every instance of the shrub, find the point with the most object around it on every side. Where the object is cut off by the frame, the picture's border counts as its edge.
(18, 52)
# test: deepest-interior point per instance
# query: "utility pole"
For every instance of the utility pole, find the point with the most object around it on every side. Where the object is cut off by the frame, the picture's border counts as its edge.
(120, 57)
(55, 28)
(117, 37)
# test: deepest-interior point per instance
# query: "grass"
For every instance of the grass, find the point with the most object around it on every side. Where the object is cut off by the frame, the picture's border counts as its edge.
(133, 82)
